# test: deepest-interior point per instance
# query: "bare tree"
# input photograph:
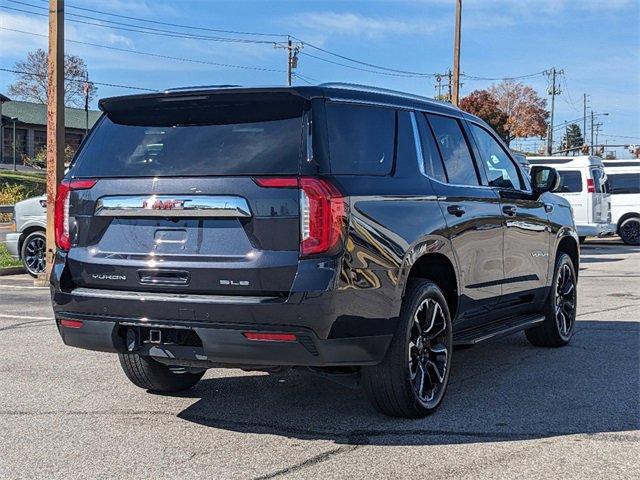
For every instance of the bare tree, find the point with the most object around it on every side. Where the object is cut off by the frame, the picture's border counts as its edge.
(527, 112)
(32, 84)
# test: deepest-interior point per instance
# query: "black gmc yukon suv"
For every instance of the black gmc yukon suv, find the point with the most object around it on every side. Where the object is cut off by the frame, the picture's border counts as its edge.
(352, 230)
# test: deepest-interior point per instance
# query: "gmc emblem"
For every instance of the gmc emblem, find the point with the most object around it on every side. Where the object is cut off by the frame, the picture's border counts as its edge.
(155, 204)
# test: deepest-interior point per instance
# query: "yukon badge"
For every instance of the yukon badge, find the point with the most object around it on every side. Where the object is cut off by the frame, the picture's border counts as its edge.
(105, 276)
(539, 253)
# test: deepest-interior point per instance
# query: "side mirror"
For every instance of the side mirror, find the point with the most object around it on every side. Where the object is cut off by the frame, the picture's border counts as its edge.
(544, 179)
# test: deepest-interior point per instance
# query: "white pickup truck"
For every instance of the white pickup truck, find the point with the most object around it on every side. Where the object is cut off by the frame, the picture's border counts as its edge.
(28, 241)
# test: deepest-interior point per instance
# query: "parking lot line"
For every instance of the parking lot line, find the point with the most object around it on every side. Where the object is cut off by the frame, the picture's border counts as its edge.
(24, 317)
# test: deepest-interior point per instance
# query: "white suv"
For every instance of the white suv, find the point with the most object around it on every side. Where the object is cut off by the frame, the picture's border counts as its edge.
(584, 185)
(624, 182)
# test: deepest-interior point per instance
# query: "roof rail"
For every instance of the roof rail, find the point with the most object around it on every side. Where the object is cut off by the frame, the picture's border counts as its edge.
(386, 91)
(198, 87)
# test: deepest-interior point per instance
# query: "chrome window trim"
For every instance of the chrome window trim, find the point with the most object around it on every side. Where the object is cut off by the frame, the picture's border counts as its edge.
(225, 206)
(418, 143)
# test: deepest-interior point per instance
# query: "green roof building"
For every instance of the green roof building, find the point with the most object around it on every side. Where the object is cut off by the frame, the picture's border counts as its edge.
(30, 122)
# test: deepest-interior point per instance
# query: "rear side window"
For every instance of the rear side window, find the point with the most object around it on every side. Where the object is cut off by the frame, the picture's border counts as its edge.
(570, 181)
(624, 183)
(458, 162)
(501, 171)
(238, 139)
(432, 162)
(361, 139)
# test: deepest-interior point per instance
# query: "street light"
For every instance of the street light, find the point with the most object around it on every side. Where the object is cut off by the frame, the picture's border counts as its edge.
(14, 120)
(593, 115)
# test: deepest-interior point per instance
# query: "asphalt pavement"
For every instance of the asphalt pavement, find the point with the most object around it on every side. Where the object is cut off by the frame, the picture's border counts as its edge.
(512, 410)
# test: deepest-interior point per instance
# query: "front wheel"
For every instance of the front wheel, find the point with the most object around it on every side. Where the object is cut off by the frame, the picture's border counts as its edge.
(146, 373)
(412, 379)
(560, 309)
(629, 231)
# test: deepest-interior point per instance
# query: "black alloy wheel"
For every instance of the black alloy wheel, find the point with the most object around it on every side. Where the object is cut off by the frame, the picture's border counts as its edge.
(629, 231)
(565, 312)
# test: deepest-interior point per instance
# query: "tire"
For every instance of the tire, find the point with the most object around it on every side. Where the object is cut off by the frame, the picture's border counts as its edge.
(629, 231)
(146, 373)
(412, 379)
(560, 308)
(582, 240)
(33, 253)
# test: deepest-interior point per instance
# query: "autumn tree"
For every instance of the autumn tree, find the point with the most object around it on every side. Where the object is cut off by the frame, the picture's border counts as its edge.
(526, 111)
(32, 84)
(482, 104)
(572, 137)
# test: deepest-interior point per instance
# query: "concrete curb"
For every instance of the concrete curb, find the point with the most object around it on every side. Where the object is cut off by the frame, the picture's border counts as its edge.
(11, 271)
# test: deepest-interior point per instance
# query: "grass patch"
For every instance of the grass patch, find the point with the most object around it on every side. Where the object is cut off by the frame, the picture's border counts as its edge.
(7, 260)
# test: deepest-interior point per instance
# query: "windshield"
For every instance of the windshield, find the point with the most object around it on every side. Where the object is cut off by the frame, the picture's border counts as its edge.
(172, 144)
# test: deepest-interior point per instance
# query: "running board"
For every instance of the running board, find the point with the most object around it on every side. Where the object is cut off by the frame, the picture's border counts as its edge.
(470, 337)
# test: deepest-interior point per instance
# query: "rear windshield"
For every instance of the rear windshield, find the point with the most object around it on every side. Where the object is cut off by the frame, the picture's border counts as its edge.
(570, 181)
(243, 139)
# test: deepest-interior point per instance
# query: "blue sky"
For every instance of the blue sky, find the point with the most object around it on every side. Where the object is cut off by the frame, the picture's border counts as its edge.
(596, 42)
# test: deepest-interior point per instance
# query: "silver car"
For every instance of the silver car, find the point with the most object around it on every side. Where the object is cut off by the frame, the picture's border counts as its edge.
(28, 243)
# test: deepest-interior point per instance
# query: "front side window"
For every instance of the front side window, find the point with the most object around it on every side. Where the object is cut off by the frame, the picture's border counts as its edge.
(501, 171)
(361, 139)
(624, 183)
(570, 181)
(458, 162)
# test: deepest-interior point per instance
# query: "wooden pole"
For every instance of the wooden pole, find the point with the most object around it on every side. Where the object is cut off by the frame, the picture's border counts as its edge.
(455, 100)
(55, 122)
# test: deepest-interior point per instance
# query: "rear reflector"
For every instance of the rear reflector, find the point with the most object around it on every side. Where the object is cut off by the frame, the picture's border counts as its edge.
(71, 323)
(270, 337)
(591, 187)
(277, 182)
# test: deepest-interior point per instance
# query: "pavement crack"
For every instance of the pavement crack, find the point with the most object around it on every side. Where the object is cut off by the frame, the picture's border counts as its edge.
(22, 324)
(322, 457)
(606, 310)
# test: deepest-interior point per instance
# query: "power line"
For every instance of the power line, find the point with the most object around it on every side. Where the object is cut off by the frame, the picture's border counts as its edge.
(169, 24)
(496, 79)
(366, 64)
(353, 67)
(151, 54)
(22, 72)
(141, 29)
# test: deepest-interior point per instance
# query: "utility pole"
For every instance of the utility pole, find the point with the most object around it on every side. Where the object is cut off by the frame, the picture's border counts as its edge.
(292, 56)
(553, 91)
(591, 149)
(55, 124)
(439, 86)
(455, 97)
(584, 116)
(85, 89)
(449, 86)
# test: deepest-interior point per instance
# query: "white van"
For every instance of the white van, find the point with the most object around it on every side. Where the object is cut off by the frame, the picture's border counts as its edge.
(583, 184)
(623, 177)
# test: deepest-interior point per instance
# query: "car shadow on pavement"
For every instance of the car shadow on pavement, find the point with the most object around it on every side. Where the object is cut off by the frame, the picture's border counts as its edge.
(501, 391)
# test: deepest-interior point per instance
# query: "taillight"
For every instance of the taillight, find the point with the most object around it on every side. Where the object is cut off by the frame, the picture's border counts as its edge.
(61, 212)
(321, 212)
(270, 337)
(591, 186)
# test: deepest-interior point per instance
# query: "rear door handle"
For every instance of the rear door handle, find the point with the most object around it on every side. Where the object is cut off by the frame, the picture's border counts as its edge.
(456, 210)
(510, 210)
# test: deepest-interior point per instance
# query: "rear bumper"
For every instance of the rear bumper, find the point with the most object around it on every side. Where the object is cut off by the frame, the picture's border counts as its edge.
(13, 241)
(595, 229)
(333, 326)
(227, 346)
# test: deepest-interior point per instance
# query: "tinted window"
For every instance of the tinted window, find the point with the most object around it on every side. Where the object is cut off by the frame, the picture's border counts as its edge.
(432, 161)
(168, 145)
(361, 139)
(570, 181)
(458, 162)
(622, 183)
(501, 171)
